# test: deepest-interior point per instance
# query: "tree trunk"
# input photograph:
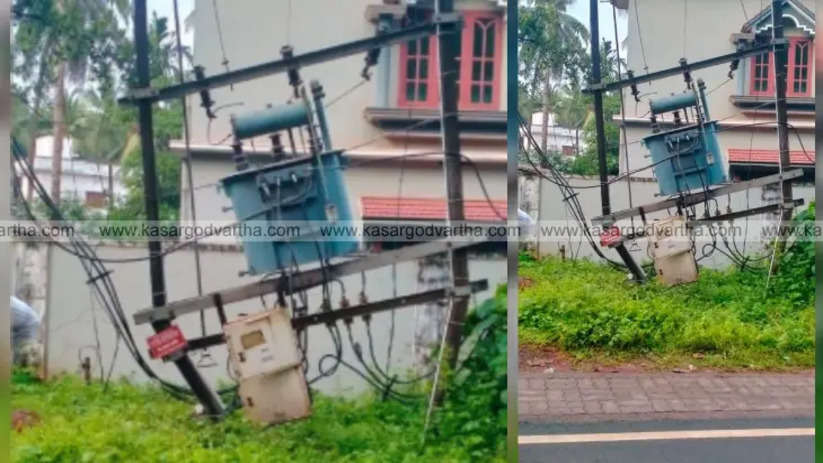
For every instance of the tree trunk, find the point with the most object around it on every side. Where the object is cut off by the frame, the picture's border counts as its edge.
(32, 155)
(59, 123)
(577, 141)
(544, 141)
(111, 186)
(35, 117)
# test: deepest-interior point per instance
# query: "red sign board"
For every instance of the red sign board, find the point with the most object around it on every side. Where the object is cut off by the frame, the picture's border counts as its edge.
(609, 236)
(166, 342)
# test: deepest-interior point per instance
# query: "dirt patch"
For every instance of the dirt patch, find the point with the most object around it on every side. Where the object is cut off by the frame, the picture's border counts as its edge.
(548, 359)
(524, 282)
(22, 419)
(541, 358)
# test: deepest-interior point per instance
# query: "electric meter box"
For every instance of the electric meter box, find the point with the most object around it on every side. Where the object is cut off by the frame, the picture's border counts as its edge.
(309, 191)
(676, 269)
(276, 397)
(262, 343)
(670, 236)
(671, 246)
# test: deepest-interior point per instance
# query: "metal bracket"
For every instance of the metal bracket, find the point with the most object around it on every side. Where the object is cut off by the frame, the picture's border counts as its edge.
(461, 291)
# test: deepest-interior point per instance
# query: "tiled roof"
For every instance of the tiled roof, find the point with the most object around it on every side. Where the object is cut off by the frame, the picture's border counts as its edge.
(384, 207)
(761, 156)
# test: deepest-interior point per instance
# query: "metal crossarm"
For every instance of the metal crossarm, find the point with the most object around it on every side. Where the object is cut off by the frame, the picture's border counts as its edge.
(298, 281)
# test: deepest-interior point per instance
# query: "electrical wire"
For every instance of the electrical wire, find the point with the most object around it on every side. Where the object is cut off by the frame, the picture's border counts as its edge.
(217, 23)
(570, 198)
(640, 37)
(99, 278)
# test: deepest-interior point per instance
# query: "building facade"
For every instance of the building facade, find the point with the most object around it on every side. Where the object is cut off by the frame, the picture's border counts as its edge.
(742, 102)
(82, 180)
(565, 141)
(381, 122)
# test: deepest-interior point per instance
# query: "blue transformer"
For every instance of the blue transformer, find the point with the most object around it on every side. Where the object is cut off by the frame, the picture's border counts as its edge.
(294, 190)
(687, 157)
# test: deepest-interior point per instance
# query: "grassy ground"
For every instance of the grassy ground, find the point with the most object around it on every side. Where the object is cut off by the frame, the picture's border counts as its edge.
(129, 423)
(727, 319)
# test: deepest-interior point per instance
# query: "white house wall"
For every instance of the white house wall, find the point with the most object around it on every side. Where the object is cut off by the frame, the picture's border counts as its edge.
(709, 25)
(71, 313)
(255, 30)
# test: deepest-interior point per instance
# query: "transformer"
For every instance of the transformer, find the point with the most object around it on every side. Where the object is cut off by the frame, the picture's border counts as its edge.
(309, 190)
(687, 157)
(297, 188)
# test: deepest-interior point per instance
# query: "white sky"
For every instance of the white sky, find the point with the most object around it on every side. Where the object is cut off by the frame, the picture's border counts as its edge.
(166, 8)
(580, 10)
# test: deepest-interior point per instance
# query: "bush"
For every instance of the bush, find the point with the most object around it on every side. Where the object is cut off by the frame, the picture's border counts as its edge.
(729, 317)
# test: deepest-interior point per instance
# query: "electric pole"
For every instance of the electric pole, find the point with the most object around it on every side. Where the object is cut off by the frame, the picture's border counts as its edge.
(448, 38)
(605, 201)
(158, 286)
(780, 62)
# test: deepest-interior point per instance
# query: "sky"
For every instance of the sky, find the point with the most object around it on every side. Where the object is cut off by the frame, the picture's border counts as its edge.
(166, 8)
(580, 10)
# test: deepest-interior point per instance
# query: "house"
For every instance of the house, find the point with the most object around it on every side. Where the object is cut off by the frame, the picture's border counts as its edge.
(659, 33)
(82, 180)
(567, 141)
(380, 122)
(744, 104)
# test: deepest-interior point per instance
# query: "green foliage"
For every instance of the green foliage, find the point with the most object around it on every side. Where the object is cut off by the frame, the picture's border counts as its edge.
(132, 207)
(729, 318)
(796, 274)
(141, 423)
(552, 46)
(475, 407)
(85, 34)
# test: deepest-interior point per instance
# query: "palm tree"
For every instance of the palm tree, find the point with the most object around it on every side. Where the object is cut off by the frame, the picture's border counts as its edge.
(552, 49)
(572, 111)
(57, 42)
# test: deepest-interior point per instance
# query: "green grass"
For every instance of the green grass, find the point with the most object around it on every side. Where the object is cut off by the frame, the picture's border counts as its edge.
(140, 423)
(132, 423)
(726, 319)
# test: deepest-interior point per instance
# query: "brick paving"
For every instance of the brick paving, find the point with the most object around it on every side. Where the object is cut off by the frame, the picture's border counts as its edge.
(582, 396)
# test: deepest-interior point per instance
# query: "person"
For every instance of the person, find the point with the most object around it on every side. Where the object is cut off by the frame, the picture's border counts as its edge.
(25, 333)
(527, 228)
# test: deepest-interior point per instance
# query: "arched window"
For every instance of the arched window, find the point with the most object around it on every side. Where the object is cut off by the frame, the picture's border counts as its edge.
(798, 75)
(480, 59)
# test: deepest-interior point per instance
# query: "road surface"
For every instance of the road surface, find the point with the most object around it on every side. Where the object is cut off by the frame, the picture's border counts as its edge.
(752, 440)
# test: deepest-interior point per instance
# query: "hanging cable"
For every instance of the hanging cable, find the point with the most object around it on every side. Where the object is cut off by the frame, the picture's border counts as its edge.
(640, 37)
(622, 114)
(188, 162)
(225, 61)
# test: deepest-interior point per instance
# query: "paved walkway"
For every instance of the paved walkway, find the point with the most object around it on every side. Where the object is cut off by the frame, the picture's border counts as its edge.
(578, 396)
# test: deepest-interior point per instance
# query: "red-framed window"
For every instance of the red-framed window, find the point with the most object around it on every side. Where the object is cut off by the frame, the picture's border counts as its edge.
(481, 51)
(798, 75)
(800, 59)
(418, 78)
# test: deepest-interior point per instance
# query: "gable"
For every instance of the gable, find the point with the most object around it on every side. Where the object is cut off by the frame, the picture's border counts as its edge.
(793, 10)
